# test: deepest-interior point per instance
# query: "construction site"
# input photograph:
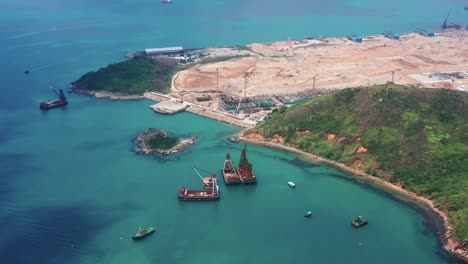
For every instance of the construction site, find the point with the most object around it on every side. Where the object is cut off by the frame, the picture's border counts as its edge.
(291, 67)
(245, 83)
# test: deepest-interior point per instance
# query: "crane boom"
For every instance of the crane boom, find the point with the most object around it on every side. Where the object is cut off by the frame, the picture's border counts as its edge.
(196, 172)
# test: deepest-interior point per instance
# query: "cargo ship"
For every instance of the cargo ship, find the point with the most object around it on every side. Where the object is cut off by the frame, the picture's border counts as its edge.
(244, 169)
(229, 172)
(51, 104)
(200, 195)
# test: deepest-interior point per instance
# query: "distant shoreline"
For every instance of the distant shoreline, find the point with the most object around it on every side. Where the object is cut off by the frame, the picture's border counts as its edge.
(449, 242)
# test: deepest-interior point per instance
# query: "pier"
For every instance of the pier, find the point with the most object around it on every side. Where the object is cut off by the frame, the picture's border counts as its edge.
(200, 110)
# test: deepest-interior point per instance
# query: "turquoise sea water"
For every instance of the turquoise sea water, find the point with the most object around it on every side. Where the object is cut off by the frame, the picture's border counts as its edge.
(71, 190)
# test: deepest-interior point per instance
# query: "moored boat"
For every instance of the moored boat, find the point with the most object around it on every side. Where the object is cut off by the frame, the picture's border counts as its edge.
(51, 104)
(229, 172)
(200, 195)
(244, 169)
(359, 221)
(142, 233)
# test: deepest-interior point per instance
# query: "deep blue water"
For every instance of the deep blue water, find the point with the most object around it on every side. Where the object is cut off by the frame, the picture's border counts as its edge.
(70, 187)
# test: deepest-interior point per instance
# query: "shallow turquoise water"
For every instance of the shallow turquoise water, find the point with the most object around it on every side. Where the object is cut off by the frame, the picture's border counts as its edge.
(71, 188)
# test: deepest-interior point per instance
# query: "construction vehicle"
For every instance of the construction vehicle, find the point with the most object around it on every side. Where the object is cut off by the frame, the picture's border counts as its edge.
(391, 35)
(355, 38)
(425, 32)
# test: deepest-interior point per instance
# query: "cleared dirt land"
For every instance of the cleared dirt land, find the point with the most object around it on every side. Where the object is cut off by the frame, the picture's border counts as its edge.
(336, 63)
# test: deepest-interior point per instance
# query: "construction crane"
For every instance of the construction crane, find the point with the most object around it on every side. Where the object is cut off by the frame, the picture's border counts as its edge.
(207, 181)
(425, 32)
(196, 172)
(392, 36)
(446, 25)
(60, 95)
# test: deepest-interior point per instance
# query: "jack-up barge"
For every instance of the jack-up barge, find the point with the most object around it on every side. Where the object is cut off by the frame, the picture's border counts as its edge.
(244, 169)
(229, 172)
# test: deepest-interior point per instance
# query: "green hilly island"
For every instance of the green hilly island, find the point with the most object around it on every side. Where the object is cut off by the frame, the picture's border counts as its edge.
(416, 138)
(133, 77)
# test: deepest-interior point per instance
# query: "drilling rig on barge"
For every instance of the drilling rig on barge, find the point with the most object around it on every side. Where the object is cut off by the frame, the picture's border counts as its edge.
(244, 169)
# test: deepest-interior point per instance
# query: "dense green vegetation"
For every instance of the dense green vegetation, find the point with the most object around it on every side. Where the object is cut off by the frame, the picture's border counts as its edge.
(414, 137)
(162, 142)
(134, 76)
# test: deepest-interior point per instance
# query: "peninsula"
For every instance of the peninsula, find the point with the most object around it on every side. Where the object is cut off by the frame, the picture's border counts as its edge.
(156, 141)
(407, 139)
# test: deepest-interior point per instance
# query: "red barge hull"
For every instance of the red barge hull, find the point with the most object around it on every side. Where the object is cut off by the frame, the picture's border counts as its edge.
(197, 195)
(231, 178)
(49, 105)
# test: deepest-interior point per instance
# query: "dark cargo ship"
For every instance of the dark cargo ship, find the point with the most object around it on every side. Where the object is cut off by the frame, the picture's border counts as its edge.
(52, 104)
(244, 170)
(359, 221)
(200, 195)
(229, 172)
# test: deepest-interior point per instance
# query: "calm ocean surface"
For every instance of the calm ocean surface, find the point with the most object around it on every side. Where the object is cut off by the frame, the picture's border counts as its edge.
(72, 191)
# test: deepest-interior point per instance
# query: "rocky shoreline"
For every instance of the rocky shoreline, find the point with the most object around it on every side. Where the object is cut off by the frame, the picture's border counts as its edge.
(143, 146)
(105, 94)
(450, 243)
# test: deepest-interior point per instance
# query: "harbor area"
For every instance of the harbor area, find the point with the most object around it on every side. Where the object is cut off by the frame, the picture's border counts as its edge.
(169, 107)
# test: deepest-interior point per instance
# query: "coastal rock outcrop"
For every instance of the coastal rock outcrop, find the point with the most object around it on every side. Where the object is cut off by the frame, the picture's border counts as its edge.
(157, 141)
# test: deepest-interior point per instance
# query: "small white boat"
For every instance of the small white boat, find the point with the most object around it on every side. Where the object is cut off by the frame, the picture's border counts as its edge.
(292, 184)
(308, 214)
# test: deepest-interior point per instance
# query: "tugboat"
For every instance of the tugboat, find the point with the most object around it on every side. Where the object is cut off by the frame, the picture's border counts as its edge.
(308, 214)
(229, 172)
(359, 221)
(142, 233)
(244, 169)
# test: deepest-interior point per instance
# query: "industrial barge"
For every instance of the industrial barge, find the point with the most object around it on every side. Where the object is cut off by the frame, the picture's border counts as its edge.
(244, 169)
(201, 195)
(51, 104)
(229, 172)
